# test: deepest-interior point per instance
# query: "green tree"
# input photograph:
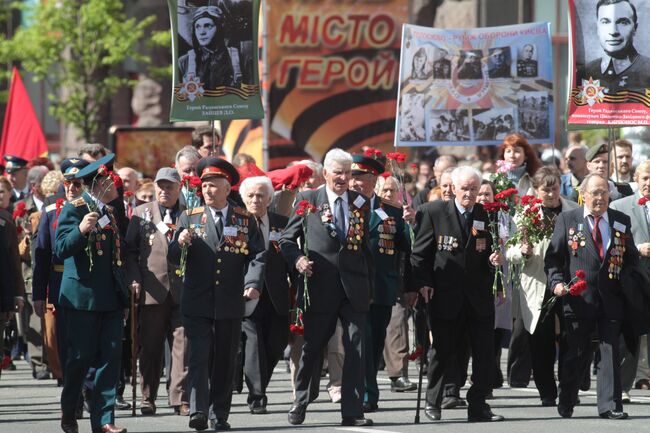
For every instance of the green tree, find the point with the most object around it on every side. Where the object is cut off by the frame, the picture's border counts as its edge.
(78, 47)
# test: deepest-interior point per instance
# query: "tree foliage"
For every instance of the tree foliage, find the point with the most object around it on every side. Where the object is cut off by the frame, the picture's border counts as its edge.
(78, 46)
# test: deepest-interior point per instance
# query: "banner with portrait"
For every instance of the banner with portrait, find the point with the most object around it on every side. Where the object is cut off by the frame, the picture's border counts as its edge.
(333, 69)
(215, 60)
(609, 60)
(475, 86)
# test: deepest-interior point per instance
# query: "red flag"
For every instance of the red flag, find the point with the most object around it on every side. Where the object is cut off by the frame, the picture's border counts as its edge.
(22, 135)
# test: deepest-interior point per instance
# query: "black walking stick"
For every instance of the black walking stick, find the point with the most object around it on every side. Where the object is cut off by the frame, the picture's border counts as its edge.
(417, 409)
(134, 350)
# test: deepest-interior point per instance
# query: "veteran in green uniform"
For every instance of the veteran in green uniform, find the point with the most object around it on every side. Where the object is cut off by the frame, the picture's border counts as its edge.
(93, 295)
(389, 238)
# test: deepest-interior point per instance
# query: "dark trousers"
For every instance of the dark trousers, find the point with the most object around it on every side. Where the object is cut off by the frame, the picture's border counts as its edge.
(542, 354)
(156, 324)
(93, 337)
(60, 333)
(267, 334)
(456, 371)
(319, 327)
(447, 336)
(212, 346)
(575, 360)
(378, 319)
(520, 363)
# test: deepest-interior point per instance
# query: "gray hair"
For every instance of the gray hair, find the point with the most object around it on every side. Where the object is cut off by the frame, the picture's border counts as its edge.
(445, 158)
(587, 179)
(250, 182)
(95, 150)
(36, 174)
(465, 170)
(381, 181)
(187, 152)
(335, 156)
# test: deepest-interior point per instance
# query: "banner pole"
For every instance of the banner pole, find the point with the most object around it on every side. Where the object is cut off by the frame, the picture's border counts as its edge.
(266, 87)
(214, 139)
(610, 145)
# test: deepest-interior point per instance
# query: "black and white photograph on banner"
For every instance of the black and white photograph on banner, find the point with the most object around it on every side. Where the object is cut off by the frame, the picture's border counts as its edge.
(612, 44)
(441, 64)
(215, 43)
(421, 63)
(533, 114)
(470, 65)
(449, 125)
(499, 61)
(492, 123)
(527, 61)
(412, 117)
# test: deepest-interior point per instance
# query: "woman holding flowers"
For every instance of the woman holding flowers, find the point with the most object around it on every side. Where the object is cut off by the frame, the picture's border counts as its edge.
(535, 218)
(523, 160)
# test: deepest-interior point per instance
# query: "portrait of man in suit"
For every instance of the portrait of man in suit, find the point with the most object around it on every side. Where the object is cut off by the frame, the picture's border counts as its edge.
(621, 66)
(469, 65)
(499, 62)
(598, 241)
(339, 268)
(442, 65)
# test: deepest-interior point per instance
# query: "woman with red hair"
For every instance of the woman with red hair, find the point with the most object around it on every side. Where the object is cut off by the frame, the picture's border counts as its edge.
(516, 151)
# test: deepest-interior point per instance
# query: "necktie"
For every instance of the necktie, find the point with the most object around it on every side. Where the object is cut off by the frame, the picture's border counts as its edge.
(260, 224)
(340, 218)
(219, 223)
(467, 217)
(597, 236)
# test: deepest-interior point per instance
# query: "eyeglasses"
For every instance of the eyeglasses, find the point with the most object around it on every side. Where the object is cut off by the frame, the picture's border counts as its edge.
(598, 193)
(76, 183)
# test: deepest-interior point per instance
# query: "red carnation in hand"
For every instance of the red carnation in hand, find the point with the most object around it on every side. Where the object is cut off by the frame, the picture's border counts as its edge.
(297, 329)
(102, 170)
(128, 194)
(643, 201)
(581, 274)
(20, 210)
(195, 182)
(117, 180)
(416, 354)
(578, 288)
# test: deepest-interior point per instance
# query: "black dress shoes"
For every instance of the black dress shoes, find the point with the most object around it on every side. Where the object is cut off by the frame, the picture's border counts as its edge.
(484, 415)
(147, 407)
(69, 424)
(614, 414)
(565, 412)
(452, 402)
(356, 422)
(548, 402)
(199, 421)
(257, 408)
(433, 413)
(370, 407)
(296, 414)
(402, 384)
(219, 424)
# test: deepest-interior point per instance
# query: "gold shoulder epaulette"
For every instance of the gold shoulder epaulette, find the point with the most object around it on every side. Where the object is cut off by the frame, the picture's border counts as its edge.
(196, 210)
(241, 211)
(78, 202)
(391, 203)
(50, 207)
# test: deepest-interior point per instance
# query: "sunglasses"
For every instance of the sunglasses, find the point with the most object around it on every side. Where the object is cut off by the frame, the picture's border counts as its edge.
(76, 183)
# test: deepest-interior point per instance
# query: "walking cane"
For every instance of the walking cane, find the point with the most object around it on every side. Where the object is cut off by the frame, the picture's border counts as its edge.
(417, 409)
(134, 350)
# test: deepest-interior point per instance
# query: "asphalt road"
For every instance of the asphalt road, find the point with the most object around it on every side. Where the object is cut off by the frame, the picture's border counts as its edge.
(30, 406)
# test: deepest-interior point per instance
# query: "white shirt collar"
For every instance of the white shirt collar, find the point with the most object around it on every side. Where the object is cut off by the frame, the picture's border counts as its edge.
(461, 209)
(37, 202)
(224, 212)
(332, 196)
(587, 212)
(100, 204)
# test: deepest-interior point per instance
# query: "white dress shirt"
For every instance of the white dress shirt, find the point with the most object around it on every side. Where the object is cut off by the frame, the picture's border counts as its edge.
(603, 225)
(331, 198)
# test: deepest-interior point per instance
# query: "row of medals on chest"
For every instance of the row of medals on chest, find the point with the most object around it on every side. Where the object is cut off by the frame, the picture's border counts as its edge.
(387, 230)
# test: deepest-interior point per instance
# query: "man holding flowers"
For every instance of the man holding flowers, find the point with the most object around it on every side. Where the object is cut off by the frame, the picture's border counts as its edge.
(453, 268)
(339, 274)
(599, 241)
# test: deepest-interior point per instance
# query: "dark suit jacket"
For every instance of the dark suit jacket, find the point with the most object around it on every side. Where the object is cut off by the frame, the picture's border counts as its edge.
(45, 282)
(101, 289)
(334, 263)
(11, 245)
(387, 260)
(7, 276)
(146, 261)
(603, 294)
(456, 273)
(277, 270)
(215, 278)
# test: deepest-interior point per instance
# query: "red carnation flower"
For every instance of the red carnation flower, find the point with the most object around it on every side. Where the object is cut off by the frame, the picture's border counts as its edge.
(643, 201)
(416, 354)
(581, 274)
(102, 170)
(117, 180)
(128, 194)
(297, 329)
(195, 182)
(578, 288)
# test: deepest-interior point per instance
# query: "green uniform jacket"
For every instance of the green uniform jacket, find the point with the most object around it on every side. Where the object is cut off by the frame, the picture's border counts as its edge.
(103, 288)
(389, 237)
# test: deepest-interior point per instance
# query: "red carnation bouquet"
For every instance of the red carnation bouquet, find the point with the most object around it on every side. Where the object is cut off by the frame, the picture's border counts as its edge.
(576, 287)
(192, 185)
(493, 210)
(20, 218)
(303, 210)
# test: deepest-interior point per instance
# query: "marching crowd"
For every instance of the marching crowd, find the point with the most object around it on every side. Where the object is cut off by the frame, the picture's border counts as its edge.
(213, 271)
